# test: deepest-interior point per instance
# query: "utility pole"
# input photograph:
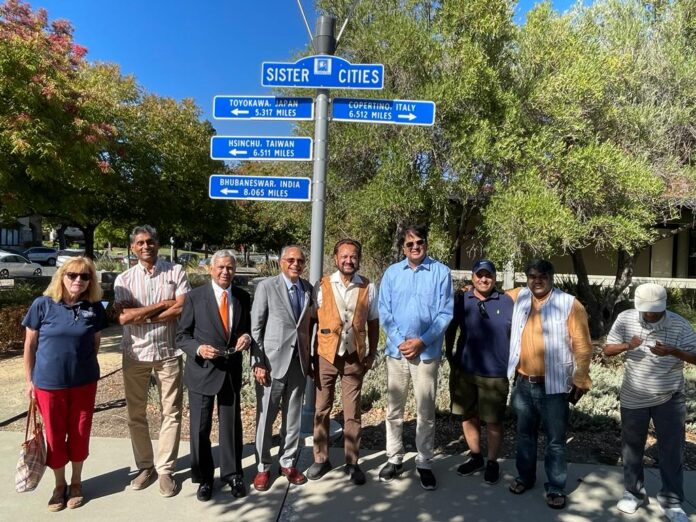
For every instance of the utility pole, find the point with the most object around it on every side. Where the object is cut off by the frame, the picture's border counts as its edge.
(324, 42)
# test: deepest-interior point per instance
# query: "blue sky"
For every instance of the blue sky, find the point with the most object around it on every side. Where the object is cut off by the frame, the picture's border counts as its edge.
(181, 48)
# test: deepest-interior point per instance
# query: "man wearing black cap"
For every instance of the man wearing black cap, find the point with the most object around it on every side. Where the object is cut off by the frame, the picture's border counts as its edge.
(478, 378)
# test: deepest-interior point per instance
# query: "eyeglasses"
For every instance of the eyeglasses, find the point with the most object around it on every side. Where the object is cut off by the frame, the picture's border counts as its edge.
(74, 275)
(482, 309)
(292, 261)
(410, 244)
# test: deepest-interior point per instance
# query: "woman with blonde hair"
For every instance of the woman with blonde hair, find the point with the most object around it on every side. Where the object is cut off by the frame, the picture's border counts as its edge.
(61, 368)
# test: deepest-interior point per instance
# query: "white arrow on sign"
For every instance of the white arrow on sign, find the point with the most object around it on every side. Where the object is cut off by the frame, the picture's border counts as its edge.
(237, 152)
(410, 116)
(237, 112)
(227, 191)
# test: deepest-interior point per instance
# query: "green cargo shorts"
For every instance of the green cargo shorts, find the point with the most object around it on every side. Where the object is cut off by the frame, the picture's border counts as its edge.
(476, 396)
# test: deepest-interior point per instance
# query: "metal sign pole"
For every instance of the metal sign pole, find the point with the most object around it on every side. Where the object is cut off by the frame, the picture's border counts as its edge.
(324, 43)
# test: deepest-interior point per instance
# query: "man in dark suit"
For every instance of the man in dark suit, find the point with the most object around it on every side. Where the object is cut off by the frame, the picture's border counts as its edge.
(213, 331)
(280, 357)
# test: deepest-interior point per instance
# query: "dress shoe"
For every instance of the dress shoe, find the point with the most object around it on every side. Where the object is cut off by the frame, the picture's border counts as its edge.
(205, 491)
(318, 470)
(293, 475)
(237, 487)
(262, 480)
(355, 474)
(143, 479)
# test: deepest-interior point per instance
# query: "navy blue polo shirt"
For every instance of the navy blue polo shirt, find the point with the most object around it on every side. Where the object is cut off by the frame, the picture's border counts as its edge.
(65, 355)
(483, 346)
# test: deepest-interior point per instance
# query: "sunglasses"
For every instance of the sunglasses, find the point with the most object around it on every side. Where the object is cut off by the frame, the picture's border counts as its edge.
(482, 309)
(292, 261)
(410, 244)
(74, 275)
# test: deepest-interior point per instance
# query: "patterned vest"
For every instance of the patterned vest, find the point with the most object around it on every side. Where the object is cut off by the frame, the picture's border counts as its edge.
(558, 354)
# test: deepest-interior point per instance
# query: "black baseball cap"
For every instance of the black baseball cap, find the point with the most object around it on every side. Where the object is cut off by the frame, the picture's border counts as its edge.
(483, 264)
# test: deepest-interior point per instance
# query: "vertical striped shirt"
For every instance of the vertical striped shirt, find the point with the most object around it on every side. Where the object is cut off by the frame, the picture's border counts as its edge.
(136, 288)
(649, 379)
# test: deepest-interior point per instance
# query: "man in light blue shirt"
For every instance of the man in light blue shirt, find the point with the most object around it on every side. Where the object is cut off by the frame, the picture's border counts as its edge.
(415, 309)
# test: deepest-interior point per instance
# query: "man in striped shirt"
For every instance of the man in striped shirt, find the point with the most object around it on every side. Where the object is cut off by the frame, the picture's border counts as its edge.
(550, 352)
(657, 342)
(149, 298)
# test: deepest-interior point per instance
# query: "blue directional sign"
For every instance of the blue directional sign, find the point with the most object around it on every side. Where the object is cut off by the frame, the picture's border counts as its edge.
(260, 188)
(261, 148)
(235, 107)
(322, 71)
(398, 112)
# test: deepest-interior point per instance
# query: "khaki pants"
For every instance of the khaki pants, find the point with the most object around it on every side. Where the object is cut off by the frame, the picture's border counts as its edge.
(136, 380)
(400, 372)
(351, 371)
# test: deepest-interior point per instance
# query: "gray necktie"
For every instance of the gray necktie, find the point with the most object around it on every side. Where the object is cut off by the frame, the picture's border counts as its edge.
(295, 301)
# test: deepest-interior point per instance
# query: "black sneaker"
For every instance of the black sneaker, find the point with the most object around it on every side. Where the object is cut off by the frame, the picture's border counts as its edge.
(318, 470)
(355, 474)
(390, 471)
(471, 466)
(492, 473)
(427, 479)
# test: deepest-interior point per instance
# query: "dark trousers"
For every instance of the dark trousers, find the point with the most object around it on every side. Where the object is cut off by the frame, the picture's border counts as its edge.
(351, 371)
(535, 408)
(230, 434)
(669, 419)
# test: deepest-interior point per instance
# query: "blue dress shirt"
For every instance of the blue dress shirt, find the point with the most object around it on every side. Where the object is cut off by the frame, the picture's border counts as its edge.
(416, 303)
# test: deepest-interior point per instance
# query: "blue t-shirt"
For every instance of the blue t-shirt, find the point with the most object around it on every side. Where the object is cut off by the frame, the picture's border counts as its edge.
(65, 355)
(483, 347)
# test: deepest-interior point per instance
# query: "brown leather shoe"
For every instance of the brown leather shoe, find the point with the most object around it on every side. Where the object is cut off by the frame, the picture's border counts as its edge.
(57, 500)
(262, 481)
(143, 479)
(293, 475)
(75, 496)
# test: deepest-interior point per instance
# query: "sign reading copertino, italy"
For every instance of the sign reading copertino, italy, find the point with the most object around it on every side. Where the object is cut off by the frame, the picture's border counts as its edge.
(322, 71)
(261, 148)
(395, 112)
(264, 188)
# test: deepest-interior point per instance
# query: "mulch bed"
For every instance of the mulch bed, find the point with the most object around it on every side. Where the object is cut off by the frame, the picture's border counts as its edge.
(590, 447)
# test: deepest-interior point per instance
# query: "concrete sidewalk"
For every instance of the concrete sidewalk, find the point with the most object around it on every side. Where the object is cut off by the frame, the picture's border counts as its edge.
(593, 492)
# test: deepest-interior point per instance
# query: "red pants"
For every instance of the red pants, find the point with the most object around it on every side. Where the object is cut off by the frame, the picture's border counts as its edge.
(67, 416)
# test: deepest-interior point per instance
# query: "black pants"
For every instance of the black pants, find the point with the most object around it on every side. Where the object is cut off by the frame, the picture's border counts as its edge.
(230, 432)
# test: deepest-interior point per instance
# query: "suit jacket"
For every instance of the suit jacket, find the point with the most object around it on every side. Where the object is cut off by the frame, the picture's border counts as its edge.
(274, 329)
(200, 323)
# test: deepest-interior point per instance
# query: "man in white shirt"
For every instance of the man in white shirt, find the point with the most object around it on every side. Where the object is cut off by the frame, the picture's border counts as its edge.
(657, 342)
(348, 316)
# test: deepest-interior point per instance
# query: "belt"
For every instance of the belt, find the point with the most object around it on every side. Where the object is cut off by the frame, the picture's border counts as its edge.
(532, 379)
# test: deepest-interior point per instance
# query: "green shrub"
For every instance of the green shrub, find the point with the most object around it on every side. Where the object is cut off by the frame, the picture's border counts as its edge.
(11, 329)
(20, 294)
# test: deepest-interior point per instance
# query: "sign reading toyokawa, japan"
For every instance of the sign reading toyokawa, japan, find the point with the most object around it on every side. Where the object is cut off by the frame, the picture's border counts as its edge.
(322, 72)
(264, 188)
(235, 107)
(261, 148)
(399, 112)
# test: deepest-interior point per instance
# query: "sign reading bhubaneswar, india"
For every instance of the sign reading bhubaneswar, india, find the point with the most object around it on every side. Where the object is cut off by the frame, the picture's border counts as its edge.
(267, 188)
(322, 71)
(261, 148)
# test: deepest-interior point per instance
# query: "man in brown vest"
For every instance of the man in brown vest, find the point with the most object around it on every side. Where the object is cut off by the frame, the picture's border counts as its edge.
(347, 315)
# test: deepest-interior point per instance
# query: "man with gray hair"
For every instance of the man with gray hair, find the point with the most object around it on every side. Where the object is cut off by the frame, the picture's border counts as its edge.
(213, 331)
(148, 299)
(280, 325)
(656, 342)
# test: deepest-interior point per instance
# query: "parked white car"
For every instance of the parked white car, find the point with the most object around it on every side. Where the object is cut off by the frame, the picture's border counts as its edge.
(40, 254)
(14, 265)
(65, 255)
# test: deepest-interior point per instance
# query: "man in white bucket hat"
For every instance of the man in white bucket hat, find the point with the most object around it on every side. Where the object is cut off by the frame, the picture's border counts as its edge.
(657, 342)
